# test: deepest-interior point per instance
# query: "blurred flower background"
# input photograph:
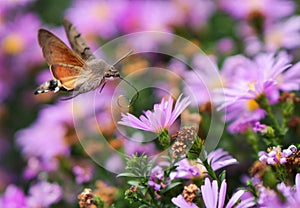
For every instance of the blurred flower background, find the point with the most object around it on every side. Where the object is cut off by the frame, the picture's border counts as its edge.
(254, 43)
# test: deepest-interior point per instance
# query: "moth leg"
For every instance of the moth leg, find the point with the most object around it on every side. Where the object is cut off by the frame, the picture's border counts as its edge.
(102, 86)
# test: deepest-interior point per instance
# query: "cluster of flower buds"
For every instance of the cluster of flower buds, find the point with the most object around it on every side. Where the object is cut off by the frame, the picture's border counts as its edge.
(277, 156)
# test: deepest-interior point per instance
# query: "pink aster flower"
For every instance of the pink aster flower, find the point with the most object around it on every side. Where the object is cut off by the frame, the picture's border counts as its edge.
(266, 74)
(158, 120)
(213, 197)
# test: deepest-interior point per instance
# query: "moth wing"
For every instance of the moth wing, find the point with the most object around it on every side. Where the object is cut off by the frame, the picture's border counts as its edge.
(77, 42)
(66, 74)
(55, 51)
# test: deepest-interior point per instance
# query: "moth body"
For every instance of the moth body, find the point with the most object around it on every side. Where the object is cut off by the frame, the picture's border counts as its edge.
(76, 70)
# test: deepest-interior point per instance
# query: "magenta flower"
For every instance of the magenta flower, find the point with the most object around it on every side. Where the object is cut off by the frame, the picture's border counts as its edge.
(215, 198)
(44, 194)
(13, 197)
(158, 120)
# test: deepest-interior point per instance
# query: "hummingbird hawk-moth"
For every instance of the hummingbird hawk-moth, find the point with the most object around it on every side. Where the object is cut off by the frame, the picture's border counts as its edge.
(76, 70)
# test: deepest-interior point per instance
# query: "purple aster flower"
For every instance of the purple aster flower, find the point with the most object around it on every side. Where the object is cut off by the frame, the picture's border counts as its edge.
(18, 42)
(44, 194)
(158, 120)
(83, 174)
(220, 158)
(267, 74)
(289, 80)
(151, 16)
(13, 197)
(213, 197)
(156, 178)
(195, 12)
(283, 34)
(19, 50)
(179, 201)
(271, 10)
(188, 169)
(100, 17)
(269, 198)
(194, 168)
(203, 80)
(294, 200)
(45, 139)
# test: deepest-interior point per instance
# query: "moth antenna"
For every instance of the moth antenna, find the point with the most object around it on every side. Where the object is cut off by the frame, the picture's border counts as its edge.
(137, 92)
(123, 57)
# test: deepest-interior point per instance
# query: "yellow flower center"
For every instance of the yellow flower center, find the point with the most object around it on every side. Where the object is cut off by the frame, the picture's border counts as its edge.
(13, 44)
(200, 167)
(251, 86)
(252, 105)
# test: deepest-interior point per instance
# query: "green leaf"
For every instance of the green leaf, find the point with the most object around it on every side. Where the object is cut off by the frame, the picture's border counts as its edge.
(172, 185)
(126, 175)
(222, 176)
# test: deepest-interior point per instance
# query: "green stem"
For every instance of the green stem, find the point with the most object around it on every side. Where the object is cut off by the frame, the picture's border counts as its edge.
(210, 171)
(279, 132)
(252, 139)
(264, 104)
